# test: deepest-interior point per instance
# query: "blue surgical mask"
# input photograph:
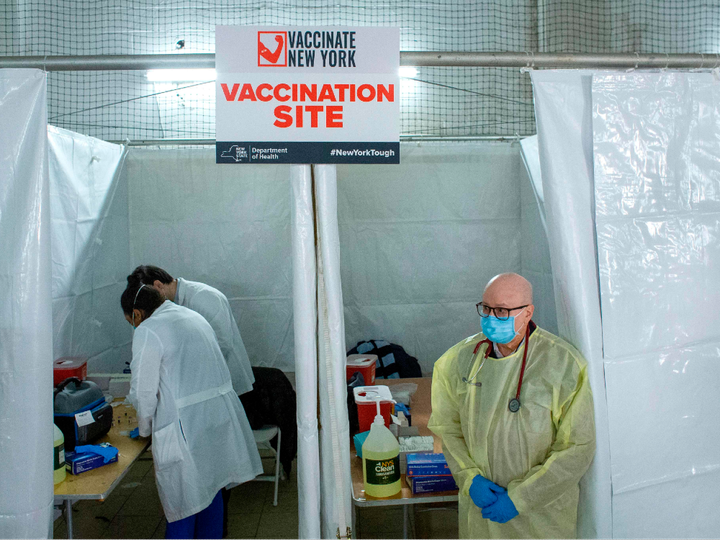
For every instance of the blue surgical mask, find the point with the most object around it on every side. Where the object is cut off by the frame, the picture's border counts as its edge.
(499, 331)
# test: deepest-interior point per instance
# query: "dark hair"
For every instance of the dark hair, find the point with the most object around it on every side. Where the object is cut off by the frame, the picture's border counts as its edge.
(147, 274)
(137, 296)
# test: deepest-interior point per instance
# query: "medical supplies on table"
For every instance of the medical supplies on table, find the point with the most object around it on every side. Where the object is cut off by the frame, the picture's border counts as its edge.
(81, 412)
(91, 457)
(69, 366)
(431, 484)
(428, 473)
(59, 455)
(365, 398)
(363, 364)
(381, 459)
(413, 444)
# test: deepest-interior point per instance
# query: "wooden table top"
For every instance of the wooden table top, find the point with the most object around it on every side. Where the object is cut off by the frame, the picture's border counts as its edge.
(98, 483)
(420, 408)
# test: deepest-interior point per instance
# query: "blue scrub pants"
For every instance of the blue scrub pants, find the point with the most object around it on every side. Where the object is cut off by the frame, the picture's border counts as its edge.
(207, 523)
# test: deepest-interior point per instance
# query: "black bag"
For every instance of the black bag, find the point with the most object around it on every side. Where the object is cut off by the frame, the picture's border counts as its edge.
(72, 397)
(393, 361)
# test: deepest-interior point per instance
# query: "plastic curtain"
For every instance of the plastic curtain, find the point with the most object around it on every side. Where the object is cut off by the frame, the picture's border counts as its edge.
(335, 431)
(534, 249)
(227, 226)
(421, 239)
(564, 123)
(90, 249)
(415, 240)
(531, 159)
(26, 411)
(323, 469)
(305, 317)
(657, 191)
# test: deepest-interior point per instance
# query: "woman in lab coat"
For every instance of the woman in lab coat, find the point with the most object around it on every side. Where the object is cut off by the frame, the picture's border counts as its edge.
(202, 441)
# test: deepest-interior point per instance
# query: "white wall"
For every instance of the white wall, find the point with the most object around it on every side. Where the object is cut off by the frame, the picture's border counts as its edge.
(418, 241)
(227, 226)
(535, 257)
(90, 250)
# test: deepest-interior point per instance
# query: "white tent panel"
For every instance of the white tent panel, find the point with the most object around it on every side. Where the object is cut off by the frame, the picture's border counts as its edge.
(225, 226)
(306, 368)
(657, 156)
(658, 205)
(534, 248)
(26, 433)
(334, 427)
(418, 241)
(90, 249)
(563, 110)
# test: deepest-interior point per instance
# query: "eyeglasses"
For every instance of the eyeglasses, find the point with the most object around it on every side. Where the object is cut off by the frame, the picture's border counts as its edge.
(500, 312)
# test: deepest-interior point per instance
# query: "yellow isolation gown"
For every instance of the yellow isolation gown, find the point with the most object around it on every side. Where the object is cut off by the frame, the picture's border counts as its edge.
(539, 453)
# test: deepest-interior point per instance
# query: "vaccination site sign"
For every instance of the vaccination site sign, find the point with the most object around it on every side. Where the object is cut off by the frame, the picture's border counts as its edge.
(307, 94)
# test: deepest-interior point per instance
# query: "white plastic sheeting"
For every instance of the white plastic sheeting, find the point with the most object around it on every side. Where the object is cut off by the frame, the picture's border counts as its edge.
(418, 241)
(324, 482)
(657, 186)
(534, 250)
(421, 239)
(335, 430)
(531, 159)
(306, 369)
(90, 249)
(227, 226)
(564, 122)
(26, 435)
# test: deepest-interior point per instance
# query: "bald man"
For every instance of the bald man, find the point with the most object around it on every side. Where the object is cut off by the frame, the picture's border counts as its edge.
(514, 409)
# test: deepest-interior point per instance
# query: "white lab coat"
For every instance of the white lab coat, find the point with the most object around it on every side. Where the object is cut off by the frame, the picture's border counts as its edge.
(214, 306)
(183, 396)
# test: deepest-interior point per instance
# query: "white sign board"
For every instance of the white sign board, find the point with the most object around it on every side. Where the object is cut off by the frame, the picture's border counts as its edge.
(307, 94)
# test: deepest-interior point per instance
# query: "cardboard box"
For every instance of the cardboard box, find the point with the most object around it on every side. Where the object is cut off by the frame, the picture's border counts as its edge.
(77, 463)
(427, 464)
(431, 484)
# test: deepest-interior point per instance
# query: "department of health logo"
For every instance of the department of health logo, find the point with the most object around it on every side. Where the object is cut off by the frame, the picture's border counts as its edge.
(272, 49)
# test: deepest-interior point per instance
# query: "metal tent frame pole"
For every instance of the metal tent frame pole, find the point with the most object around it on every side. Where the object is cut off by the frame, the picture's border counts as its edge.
(407, 58)
(403, 138)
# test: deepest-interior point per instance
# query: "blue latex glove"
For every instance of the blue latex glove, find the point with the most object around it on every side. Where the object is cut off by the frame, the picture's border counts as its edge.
(107, 452)
(502, 510)
(483, 492)
(135, 433)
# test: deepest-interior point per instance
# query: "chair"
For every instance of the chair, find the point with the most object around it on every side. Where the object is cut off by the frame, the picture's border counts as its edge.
(263, 436)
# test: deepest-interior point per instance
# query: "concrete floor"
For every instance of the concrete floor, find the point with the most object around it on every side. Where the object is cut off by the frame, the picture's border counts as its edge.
(133, 510)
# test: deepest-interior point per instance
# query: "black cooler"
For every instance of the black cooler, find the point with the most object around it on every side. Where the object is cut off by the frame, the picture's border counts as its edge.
(81, 412)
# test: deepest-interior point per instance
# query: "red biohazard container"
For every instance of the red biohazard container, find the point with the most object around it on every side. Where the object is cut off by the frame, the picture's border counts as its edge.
(363, 363)
(365, 398)
(69, 366)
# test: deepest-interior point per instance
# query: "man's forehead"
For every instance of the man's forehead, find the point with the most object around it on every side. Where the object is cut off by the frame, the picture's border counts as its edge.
(498, 296)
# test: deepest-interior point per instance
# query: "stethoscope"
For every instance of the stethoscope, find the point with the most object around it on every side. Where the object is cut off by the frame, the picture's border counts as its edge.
(514, 403)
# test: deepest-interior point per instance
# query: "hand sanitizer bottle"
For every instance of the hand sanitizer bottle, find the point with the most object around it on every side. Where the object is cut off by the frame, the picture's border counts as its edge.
(381, 461)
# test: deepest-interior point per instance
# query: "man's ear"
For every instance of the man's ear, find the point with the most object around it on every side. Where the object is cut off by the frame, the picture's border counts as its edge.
(159, 285)
(530, 311)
